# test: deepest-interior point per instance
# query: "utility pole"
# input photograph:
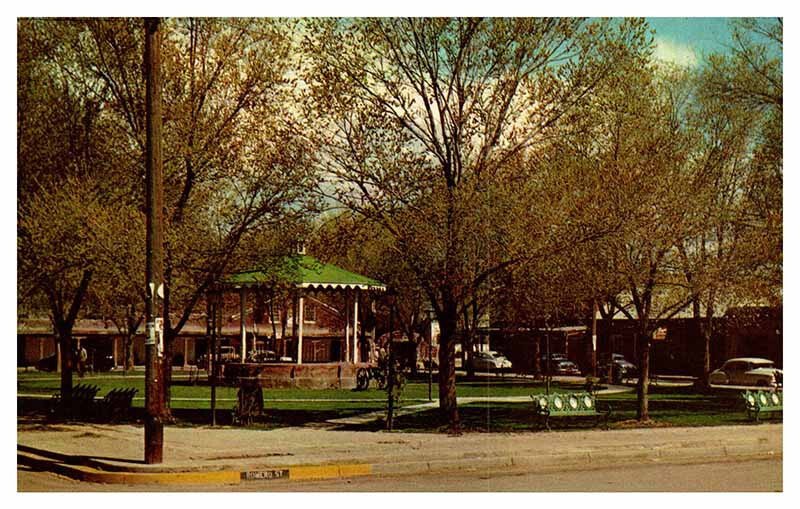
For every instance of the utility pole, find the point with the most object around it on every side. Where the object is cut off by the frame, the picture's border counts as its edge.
(154, 196)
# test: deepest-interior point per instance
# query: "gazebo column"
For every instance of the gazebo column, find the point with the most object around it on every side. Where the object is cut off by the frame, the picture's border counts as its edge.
(115, 342)
(294, 319)
(300, 310)
(347, 326)
(356, 357)
(374, 342)
(242, 329)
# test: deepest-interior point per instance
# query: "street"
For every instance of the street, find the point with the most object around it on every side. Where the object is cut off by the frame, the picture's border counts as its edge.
(744, 476)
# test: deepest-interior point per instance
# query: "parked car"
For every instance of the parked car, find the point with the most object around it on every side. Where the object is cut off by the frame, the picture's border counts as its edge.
(562, 368)
(554, 357)
(749, 371)
(226, 354)
(619, 368)
(490, 361)
(262, 356)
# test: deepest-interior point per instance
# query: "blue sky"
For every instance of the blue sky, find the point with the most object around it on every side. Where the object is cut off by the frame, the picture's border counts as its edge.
(686, 40)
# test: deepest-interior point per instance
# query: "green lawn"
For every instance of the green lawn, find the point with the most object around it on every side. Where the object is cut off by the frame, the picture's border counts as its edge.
(187, 395)
(669, 406)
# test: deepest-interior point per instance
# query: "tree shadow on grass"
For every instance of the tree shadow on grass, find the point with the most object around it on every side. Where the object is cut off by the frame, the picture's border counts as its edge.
(669, 406)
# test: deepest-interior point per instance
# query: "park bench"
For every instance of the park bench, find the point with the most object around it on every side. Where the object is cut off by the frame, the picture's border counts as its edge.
(569, 406)
(81, 403)
(116, 405)
(758, 403)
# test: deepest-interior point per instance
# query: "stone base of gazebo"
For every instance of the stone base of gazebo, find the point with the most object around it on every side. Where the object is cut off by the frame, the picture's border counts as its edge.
(330, 375)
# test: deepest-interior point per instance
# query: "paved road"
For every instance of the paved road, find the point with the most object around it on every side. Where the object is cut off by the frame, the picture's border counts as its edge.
(760, 475)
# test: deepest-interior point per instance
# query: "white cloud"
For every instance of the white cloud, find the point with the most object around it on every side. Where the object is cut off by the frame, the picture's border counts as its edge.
(668, 50)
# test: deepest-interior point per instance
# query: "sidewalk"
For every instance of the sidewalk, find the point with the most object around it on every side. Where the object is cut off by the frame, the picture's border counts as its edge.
(114, 453)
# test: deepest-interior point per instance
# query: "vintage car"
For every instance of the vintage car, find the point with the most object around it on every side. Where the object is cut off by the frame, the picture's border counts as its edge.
(747, 371)
(490, 361)
(562, 368)
(617, 367)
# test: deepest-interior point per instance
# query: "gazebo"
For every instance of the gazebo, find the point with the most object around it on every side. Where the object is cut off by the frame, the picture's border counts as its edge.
(303, 276)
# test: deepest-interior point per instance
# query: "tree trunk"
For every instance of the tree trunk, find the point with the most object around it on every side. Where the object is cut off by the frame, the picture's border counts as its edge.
(697, 318)
(65, 343)
(447, 368)
(130, 334)
(706, 354)
(593, 345)
(127, 352)
(706, 331)
(63, 325)
(643, 339)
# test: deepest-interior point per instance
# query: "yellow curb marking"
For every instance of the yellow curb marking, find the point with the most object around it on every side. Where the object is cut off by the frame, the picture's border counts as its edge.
(220, 477)
(328, 471)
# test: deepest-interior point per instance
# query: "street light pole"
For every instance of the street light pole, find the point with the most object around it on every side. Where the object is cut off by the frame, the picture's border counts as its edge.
(154, 196)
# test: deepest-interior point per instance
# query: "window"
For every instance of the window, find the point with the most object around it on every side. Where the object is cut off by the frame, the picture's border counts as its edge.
(276, 314)
(736, 366)
(310, 313)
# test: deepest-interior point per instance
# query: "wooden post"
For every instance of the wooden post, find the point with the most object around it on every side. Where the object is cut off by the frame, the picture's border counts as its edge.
(346, 326)
(115, 343)
(242, 328)
(356, 357)
(154, 205)
(301, 303)
(372, 356)
(294, 317)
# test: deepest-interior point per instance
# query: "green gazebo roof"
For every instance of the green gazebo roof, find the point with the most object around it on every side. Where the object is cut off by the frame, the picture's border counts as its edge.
(304, 271)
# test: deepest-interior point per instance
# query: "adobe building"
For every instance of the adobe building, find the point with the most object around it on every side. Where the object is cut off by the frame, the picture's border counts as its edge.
(309, 324)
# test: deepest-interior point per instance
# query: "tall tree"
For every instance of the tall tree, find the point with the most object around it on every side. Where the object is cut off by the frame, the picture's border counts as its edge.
(232, 165)
(642, 145)
(419, 121)
(62, 157)
(116, 292)
(56, 258)
(734, 257)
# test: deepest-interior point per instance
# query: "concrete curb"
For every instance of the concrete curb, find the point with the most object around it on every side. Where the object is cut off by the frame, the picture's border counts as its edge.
(580, 461)
(86, 471)
(99, 471)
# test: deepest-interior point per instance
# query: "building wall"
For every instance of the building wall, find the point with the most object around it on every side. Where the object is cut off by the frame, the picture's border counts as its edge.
(748, 332)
